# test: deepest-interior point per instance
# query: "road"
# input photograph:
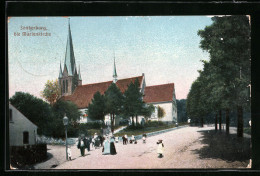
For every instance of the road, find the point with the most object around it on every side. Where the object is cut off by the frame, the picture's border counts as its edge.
(188, 147)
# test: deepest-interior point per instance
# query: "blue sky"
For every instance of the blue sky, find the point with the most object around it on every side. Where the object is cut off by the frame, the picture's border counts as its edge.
(165, 48)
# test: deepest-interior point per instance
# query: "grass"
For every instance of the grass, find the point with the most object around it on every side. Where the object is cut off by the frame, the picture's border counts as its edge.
(147, 129)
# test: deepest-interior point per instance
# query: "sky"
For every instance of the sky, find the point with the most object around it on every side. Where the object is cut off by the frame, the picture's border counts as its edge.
(164, 48)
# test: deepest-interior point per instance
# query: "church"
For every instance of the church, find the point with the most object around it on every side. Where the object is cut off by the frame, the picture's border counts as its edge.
(70, 82)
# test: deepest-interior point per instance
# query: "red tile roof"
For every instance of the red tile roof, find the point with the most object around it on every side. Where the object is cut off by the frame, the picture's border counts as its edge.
(83, 95)
(158, 93)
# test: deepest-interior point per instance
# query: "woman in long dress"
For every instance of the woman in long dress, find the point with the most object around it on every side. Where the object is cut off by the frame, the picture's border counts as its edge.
(112, 146)
(106, 147)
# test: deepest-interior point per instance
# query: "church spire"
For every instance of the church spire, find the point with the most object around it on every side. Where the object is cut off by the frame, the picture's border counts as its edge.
(79, 74)
(60, 74)
(114, 74)
(69, 56)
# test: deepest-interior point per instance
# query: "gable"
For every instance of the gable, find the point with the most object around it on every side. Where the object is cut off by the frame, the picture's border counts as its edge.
(159, 93)
(19, 117)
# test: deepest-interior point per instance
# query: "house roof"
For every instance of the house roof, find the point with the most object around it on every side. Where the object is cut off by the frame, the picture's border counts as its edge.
(22, 116)
(159, 93)
(83, 95)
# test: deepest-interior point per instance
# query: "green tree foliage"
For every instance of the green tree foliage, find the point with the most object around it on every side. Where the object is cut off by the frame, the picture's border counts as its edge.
(60, 108)
(223, 82)
(148, 110)
(36, 110)
(181, 110)
(96, 109)
(51, 91)
(133, 103)
(161, 112)
(113, 102)
(228, 42)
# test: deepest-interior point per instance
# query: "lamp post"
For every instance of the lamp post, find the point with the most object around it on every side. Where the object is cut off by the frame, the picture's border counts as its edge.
(65, 122)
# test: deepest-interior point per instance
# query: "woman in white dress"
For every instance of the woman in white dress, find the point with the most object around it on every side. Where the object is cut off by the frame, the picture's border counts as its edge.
(106, 147)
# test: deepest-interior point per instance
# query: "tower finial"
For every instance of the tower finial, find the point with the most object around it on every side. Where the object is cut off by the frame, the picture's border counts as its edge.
(60, 74)
(114, 74)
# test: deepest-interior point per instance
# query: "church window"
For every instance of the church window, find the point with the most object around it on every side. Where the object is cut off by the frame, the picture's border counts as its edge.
(63, 85)
(25, 137)
(66, 85)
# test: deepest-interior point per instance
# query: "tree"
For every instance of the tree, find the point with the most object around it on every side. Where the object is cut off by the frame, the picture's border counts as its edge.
(35, 109)
(96, 109)
(60, 108)
(181, 110)
(133, 103)
(161, 112)
(51, 91)
(228, 42)
(113, 102)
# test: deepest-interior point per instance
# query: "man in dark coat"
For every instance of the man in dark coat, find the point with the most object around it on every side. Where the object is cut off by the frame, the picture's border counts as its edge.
(101, 140)
(88, 143)
(82, 144)
(124, 140)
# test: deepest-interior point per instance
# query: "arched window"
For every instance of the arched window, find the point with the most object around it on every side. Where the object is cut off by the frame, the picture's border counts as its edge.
(63, 87)
(66, 85)
(25, 137)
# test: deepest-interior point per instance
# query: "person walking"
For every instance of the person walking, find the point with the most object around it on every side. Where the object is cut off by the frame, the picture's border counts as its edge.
(82, 143)
(126, 139)
(132, 139)
(88, 142)
(112, 146)
(101, 140)
(106, 147)
(160, 148)
(116, 139)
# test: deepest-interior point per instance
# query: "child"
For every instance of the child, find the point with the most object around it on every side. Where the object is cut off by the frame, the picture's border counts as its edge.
(144, 138)
(116, 139)
(132, 139)
(69, 153)
(160, 148)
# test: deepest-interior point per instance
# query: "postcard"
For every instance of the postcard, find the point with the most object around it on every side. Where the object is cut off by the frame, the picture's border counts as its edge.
(129, 92)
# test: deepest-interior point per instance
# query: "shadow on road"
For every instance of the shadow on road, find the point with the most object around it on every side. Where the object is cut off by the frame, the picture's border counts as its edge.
(221, 146)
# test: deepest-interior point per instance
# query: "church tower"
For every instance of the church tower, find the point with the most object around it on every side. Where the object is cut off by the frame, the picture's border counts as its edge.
(114, 73)
(69, 79)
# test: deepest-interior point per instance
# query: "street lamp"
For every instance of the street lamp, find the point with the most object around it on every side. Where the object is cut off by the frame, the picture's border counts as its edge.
(65, 123)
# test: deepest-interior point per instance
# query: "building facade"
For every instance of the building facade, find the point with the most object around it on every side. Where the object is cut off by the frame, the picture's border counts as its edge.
(22, 131)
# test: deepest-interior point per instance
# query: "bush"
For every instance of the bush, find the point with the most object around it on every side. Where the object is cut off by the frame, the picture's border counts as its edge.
(154, 124)
(21, 156)
(132, 127)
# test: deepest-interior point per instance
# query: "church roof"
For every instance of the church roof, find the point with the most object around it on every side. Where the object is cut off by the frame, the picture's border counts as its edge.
(83, 95)
(159, 93)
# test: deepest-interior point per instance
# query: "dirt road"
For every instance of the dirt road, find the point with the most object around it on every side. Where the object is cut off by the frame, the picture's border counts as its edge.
(190, 147)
